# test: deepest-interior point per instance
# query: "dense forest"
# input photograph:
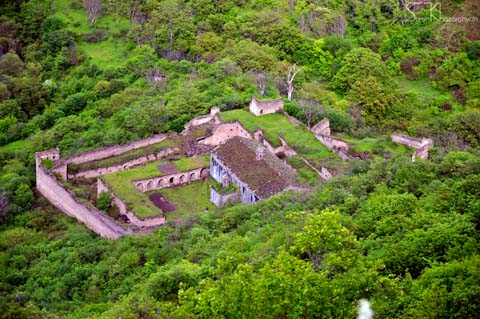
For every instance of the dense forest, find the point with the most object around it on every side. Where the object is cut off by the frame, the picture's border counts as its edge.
(77, 75)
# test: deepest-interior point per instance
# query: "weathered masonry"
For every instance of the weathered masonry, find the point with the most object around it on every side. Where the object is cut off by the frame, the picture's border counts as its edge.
(259, 107)
(159, 182)
(256, 171)
(50, 187)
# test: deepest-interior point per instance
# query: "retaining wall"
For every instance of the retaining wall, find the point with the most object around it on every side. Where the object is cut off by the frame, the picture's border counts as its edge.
(124, 166)
(56, 194)
(109, 151)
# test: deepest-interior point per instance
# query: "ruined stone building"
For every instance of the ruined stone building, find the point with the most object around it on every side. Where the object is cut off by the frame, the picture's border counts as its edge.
(256, 171)
(258, 107)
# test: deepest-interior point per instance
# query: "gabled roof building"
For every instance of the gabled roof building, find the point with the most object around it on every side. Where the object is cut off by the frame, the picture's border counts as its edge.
(257, 172)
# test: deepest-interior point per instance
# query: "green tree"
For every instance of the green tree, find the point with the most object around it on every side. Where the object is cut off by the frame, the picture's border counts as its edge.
(104, 201)
(324, 233)
(358, 64)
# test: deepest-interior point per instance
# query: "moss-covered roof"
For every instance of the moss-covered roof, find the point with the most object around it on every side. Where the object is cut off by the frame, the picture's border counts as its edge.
(264, 177)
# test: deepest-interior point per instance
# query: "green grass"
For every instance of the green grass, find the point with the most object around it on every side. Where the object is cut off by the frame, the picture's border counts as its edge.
(277, 125)
(121, 183)
(192, 162)
(188, 199)
(423, 87)
(21, 145)
(109, 53)
(378, 144)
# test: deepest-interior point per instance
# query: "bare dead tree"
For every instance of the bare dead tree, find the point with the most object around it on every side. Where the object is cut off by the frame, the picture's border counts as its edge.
(261, 79)
(4, 205)
(94, 9)
(310, 110)
(291, 5)
(292, 72)
(155, 77)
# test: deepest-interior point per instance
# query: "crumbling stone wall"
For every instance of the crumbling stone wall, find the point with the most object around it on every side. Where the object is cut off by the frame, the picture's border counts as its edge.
(211, 118)
(126, 165)
(225, 131)
(322, 133)
(109, 151)
(421, 145)
(333, 144)
(220, 200)
(259, 108)
(56, 194)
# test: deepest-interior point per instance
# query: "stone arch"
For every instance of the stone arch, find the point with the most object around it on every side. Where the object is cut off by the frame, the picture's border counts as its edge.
(183, 178)
(192, 176)
(204, 173)
(149, 185)
(139, 186)
(160, 183)
(125, 166)
(171, 180)
(261, 112)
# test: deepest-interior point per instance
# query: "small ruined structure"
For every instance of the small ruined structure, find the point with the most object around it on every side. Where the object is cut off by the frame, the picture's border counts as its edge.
(224, 131)
(421, 145)
(322, 133)
(256, 171)
(259, 108)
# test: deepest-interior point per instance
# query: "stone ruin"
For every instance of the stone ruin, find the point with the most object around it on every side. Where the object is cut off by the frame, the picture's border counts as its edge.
(322, 133)
(421, 145)
(51, 188)
(258, 107)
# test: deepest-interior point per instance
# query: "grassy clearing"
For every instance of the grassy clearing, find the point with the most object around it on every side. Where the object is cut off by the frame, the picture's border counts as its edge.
(423, 87)
(21, 145)
(379, 145)
(121, 184)
(188, 199)
(277, 125)
(108, 53)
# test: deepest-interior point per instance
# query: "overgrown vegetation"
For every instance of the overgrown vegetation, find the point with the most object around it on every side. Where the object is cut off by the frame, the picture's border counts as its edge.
(77, 75)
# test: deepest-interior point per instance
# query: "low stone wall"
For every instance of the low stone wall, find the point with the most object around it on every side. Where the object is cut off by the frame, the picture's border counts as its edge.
(225, 131)
(421, 145)
(109, 151)
(159, 182)
(220, 200)
(204, 119)
(122, 207)
(292, 120)
(410, 141)
(124, 166)
(56, 194)
(333, 144)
